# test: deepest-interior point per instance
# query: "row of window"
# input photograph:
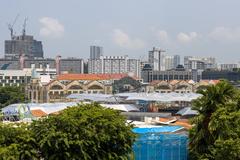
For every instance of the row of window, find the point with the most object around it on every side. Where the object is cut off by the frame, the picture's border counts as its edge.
(13, 81)
(15, 77)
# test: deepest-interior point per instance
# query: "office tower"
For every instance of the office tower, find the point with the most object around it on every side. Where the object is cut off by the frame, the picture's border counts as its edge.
(114, 64)
(176, 61)
(23, 44)
(96, 52)
(169, 62)
(156, 58)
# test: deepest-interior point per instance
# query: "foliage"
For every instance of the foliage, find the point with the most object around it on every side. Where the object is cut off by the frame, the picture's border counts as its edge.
(84, 132)
(217, 124)
(10, 95)
(17, 143)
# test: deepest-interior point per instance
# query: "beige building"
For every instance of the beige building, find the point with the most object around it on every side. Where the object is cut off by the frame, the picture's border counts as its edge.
(178, 86)
(57, 90)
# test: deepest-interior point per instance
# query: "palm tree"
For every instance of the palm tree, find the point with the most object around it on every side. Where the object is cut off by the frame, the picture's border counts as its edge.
(214, 96)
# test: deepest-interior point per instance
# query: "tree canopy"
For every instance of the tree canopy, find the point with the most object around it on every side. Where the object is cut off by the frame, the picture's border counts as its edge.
(216, 130)
(10, 95)
(86, 131)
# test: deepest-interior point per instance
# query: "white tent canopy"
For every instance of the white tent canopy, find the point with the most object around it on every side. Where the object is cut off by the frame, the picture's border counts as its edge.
(161, 97)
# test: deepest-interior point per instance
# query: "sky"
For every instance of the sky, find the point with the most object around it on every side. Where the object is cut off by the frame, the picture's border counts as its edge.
(128, 27)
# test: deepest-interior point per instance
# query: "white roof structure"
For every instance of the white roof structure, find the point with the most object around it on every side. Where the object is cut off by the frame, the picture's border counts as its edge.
(45, 107)
(95, 97)
(159, 97)
(187, 111)
(48, 108)
(121, 107)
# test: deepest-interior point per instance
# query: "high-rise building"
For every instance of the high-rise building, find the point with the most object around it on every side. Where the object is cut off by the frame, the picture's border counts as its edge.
(96, 52)
(156, 58)
(114, 64)
(171, 62)
(176, 61)
(23, 44)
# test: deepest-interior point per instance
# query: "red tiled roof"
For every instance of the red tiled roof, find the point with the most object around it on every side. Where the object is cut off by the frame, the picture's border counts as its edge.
(38, 113)
(91, 76)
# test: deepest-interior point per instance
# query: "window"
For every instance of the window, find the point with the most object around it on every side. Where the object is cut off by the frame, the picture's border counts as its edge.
(14, 77)
(7, 77)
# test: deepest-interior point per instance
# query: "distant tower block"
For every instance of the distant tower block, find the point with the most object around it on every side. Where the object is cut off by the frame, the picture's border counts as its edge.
(96, 52)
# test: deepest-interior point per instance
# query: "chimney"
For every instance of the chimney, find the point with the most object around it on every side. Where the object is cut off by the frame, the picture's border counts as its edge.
(22, 60)
(58, 58)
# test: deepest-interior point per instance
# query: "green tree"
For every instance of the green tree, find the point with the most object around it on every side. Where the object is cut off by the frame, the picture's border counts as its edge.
(217, 123)
(10, 95)
(84, 132)
(17, 143)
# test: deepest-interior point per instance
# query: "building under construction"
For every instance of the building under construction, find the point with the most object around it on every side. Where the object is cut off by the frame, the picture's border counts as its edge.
(22, 44)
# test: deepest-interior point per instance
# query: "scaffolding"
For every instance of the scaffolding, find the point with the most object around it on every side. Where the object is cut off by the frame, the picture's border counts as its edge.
(161, 146)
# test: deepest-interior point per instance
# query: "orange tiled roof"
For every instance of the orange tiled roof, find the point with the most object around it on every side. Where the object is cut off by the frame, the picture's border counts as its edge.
(91, 76)
(183, 124)
(38, 113)
(180, 122)
(154, 82)
(173, 82)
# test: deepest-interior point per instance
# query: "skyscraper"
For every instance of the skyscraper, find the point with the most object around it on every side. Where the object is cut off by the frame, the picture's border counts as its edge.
(156, 58)
(96, 52)
(176, 61)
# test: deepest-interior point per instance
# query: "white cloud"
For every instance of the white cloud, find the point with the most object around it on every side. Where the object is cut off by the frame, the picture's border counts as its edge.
(225, 34)
(124, 40)
(163, 36)
(186, 37)
(51, 27)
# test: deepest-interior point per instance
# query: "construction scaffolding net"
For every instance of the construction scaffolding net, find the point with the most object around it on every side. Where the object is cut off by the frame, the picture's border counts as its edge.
(161, 146)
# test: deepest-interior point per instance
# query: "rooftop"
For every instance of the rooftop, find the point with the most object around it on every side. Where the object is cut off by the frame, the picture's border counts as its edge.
(91, 76)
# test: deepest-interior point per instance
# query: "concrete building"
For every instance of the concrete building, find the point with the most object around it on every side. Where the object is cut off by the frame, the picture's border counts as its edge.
(156, 58)
(171, 62)
(149, 75)
(229, 67)
(58, 65)
(14, 77)
(24, 44)
(96, 52)
(218, 75)
(114, 64)
(199, 63)
(72, 65)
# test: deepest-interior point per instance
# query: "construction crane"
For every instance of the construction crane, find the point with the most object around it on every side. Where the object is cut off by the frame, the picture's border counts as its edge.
(10, 26)
(24, 28)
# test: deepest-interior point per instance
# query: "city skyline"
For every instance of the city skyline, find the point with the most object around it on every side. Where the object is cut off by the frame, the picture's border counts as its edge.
(132, 28)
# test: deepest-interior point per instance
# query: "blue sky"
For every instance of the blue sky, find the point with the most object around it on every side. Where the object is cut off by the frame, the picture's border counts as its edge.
(128, 27)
